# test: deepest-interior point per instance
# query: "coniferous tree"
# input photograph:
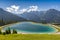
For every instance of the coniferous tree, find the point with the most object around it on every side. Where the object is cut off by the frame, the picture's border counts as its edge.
(0, 32)
(14, 31)
(4, 33)
(8, 31)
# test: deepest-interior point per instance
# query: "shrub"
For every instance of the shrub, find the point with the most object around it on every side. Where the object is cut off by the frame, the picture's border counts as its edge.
(14, 31)
(0, 32)
(8, 31)
(4, 33)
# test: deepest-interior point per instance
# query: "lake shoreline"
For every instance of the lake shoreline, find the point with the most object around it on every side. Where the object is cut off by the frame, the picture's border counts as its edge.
(28, 33)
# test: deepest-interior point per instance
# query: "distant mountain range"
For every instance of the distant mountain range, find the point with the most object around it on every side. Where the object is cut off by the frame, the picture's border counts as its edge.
(33, 16)
(49, 16)
(7, 17)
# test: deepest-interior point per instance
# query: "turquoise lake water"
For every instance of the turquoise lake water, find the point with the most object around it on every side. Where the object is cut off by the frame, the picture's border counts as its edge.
(30, 27)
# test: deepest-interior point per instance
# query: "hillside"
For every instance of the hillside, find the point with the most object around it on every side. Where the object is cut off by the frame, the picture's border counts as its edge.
(7, 17)
(49, 16)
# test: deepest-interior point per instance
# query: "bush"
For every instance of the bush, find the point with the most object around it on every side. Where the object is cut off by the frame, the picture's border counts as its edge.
(0, 32)
(4, 33)
(14, 31)
(8, 31)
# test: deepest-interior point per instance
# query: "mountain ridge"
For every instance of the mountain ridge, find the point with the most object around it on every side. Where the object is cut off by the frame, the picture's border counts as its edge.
(8, 17)
(50, 16)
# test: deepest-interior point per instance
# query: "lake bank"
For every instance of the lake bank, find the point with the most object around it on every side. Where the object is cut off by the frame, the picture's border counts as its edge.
(30, 23)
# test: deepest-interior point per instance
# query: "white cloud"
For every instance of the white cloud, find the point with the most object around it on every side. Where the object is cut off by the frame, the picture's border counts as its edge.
(17, 10)
(9, 9)
(15, 7)
(23, 10)
(33, 8)
(12, 8)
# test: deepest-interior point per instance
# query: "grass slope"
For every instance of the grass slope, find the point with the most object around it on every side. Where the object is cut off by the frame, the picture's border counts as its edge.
(30, 37)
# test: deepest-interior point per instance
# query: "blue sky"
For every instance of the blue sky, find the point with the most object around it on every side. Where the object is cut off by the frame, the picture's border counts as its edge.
(42, 4)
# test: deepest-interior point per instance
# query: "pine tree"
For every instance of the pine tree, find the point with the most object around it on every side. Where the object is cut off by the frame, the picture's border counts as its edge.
(14, 31)
(0, 32)
(8, 31)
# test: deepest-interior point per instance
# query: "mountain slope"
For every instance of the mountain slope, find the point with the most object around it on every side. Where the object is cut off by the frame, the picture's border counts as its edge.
(52, 15)
(49, 16)
(8, 17)
(34, 16)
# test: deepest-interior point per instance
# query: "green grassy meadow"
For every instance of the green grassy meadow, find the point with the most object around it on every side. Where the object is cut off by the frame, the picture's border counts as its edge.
(30, 37)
